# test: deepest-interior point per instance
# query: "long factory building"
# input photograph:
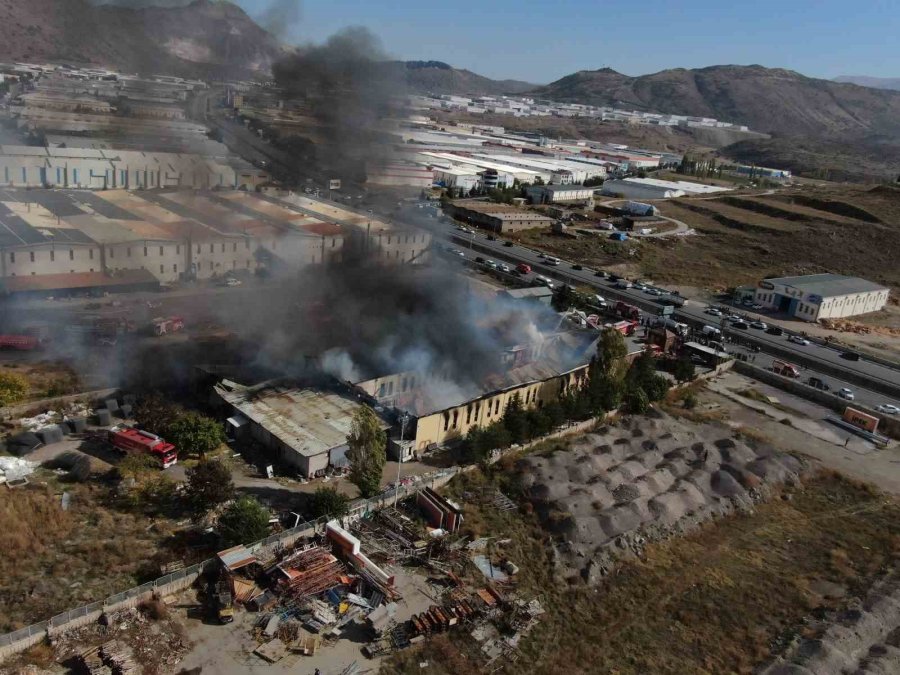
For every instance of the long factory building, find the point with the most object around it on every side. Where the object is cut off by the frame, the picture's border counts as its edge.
(72, 241)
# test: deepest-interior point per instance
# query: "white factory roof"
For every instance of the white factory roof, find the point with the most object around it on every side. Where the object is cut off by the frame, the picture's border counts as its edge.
(685, 186)
(481, 163)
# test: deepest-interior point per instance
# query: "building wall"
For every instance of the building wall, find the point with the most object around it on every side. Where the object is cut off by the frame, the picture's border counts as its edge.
(166, 260)
(811, 307)
(454, 423)
(48, 258)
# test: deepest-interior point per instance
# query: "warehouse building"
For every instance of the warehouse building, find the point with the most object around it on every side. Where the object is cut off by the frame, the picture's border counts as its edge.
(560, 194)
(305, 428)
(821, 296)
(496, 217)
(654, 188)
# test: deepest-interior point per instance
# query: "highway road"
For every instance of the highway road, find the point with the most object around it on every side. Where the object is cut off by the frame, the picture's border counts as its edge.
(877, 377)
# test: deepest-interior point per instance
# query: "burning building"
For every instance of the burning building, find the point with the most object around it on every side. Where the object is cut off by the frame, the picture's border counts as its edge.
(304, 428)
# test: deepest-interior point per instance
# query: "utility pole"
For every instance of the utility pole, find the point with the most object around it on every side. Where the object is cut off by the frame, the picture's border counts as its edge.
(404, 418)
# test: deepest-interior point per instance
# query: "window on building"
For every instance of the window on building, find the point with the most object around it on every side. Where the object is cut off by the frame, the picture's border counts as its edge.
(333, 242)
(234, 247)
(177, 249)
(210, 265)
(12, 257)
(382, 390)
(161, 251)
(91, 253)
(198, 249)
(71, 254)
(469, 414)
(162, 269)
(128, 252)
(31, 255)
(223, 247)
(52, 256)
(211, 248)
(497, 407)
(389, 239)
(446, 421)
(175, 269)
(455, 418)
(145, 251)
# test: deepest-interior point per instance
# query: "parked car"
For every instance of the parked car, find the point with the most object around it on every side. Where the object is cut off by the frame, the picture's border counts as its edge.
(504, 268)
(850, 356)
(887, 408)
(491, 264)
(741, 325)
(758, 325)
(712, 311)
(600, 300)
(479, 259)
(797, 340)
(846, 394)
(774, 330)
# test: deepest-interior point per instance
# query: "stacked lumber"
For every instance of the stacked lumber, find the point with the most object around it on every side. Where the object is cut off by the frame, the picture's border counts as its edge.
(119, 657)
(310, 572)
(92, 664)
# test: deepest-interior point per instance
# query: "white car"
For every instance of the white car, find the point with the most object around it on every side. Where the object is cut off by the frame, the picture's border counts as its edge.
(797, 340)
(759, 325)
(231, 281)
(652, 291)
(552, 261)
(504, 268)
(623, 284)
(845, 394)
(600, 300)
(491, 264)
(712, 311)
(888, 409)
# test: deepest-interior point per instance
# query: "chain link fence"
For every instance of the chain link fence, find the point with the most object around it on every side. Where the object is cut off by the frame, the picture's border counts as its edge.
(25, 637)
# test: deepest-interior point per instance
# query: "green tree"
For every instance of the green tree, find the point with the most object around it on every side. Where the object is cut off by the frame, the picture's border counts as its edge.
(195, 434)
(611, 353)
(137, 465)
(538, 423)
(156, 414)
(13, 388)
(656, 387)
(208, 485)
(555, 414)
(243, 522)
(515, 420)
(683, 370)
(327, 501)
(366, 451)
(496, 436)
(562, 298)
(636, 401)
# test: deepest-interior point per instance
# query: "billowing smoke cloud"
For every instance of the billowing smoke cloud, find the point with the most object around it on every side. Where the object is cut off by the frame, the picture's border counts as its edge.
(349, 88)
(280, 17)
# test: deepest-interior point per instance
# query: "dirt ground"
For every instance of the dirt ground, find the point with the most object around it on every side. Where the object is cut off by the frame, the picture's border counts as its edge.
(724, 598)
(45, 378)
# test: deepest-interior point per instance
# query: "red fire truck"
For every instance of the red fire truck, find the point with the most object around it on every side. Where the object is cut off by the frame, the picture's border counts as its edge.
(627, 311)
(24, 343)
(129, 440)
(171, 324)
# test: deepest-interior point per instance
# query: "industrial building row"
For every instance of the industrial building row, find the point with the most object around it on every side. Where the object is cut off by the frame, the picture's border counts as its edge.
(59, 241)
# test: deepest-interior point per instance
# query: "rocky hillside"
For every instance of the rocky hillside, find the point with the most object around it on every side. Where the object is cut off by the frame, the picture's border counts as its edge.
(765, 99)
(874, 82)
(203, 38)
(437, 77)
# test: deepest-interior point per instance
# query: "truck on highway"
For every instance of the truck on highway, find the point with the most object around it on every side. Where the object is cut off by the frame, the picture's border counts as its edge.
(162, 326)
(627, 311)
(129, 440)
(786, 369)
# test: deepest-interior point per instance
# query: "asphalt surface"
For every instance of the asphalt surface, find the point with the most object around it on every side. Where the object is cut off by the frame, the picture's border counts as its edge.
(828, 360)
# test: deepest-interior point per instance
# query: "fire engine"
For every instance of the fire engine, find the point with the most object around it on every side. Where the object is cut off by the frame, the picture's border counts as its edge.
(627, 311)
(24, 343)
(129, 440)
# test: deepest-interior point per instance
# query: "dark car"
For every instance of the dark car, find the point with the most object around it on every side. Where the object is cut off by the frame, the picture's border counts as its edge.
(818, 383)
(507, 243)
(491, 237)
(850, 356)
(479, 259)
(614, 277)
(774, 330)
(600, 273)
(577, 267)
(742, 325)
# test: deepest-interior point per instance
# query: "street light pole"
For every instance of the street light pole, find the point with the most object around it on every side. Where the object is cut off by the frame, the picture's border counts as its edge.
(404, 418)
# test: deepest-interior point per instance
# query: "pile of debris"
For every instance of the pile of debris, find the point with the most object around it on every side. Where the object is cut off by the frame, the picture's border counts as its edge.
(110, 657)
(844, 326)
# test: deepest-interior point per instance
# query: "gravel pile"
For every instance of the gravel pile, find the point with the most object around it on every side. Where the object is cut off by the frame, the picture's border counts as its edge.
(644, 479)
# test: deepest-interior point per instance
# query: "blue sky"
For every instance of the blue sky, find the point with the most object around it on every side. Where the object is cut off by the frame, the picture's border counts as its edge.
(542, 41)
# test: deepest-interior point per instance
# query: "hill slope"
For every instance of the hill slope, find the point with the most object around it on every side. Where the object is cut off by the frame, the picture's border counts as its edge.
(206, 37)
(765, 99)
(437, 77)
(874, 82)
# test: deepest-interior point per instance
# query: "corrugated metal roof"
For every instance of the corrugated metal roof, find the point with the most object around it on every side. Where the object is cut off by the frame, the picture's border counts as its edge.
(236, 557)
(309, 421)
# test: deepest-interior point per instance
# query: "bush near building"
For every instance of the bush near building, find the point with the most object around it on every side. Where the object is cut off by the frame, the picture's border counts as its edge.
(243, 522)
